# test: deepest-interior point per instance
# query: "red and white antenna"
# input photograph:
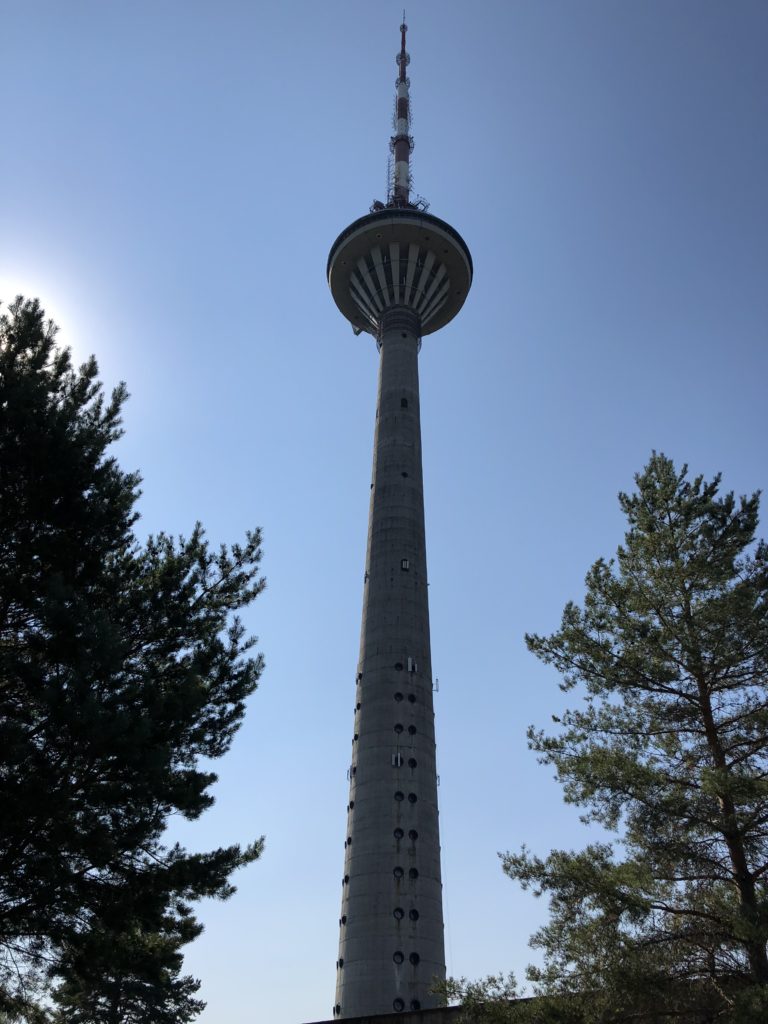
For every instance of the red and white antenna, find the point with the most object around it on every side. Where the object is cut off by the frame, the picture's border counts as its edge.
(402, 141)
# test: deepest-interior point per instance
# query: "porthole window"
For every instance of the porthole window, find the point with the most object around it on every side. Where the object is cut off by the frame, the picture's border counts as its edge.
(413, 873)
(351, 804)
(414, 915)
(399, 795)
(404, 475)
(398, 913)
(349, 840)
(411, 762)
(398, 872)
(398, 697)
(414, 958)
(337, 1008)
(346, 879)
(398, 728)
(398, 666)
(398, 833)
(411, 698)
(412, 798)
(413, 834)
(398, 957)
(415, 1004)
(411, 730)
(398, 1005)
(343, 918)
(341, 960)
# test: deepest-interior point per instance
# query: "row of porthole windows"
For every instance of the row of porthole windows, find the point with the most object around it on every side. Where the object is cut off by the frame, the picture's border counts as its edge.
(398, 1005)
(398, 872)
(398, 913)
(399, 729)
(398, 761)
(399, 795)
(412, 834)
(398, 957)
(398, 698)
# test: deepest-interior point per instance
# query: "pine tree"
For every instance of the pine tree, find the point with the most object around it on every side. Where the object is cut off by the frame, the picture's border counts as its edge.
(668, 748)
(122, 665)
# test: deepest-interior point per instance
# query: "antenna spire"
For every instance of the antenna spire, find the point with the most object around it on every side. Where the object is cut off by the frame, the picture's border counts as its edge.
(401, 143)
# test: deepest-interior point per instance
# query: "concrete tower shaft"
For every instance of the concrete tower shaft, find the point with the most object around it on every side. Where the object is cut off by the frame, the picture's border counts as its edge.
(397, 273)
(391, 939)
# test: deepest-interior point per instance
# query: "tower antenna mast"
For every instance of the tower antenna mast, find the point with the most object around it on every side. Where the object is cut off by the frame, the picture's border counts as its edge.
(401, 143)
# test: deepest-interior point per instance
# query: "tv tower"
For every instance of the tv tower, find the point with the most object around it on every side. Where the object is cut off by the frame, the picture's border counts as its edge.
(397, 273)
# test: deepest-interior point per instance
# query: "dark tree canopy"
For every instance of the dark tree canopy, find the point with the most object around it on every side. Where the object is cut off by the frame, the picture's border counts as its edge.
(122, 665)
(667, 747)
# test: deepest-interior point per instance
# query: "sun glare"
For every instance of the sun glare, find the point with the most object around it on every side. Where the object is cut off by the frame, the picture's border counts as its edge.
(56, 301)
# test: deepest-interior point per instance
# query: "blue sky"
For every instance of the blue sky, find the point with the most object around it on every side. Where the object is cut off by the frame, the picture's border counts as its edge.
(173, 175)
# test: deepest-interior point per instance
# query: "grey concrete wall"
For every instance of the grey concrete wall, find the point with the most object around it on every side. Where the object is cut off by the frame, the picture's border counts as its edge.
(392, 893)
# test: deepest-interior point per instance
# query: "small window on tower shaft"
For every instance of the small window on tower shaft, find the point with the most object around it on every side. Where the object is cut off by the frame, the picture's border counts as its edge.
(403, 403)
(405, 565)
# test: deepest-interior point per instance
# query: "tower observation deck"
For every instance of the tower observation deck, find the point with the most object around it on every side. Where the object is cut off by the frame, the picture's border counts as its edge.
(397, 273)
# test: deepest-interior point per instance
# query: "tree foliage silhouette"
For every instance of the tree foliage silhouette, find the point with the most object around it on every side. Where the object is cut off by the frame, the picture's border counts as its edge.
(122, 665)
(667, 746)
